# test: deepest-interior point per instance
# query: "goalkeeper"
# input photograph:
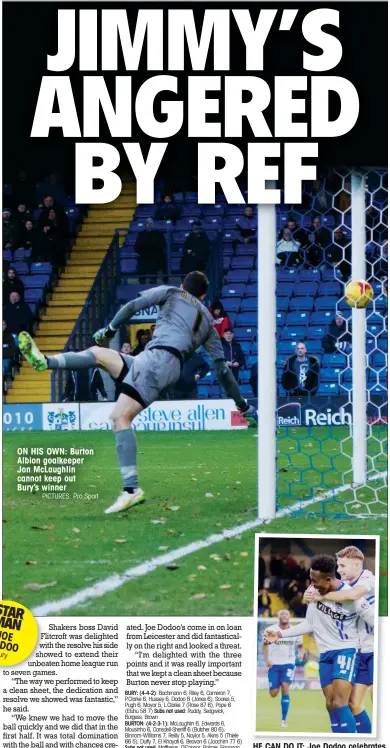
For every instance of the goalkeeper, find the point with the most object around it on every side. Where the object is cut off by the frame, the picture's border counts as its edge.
(183, 324)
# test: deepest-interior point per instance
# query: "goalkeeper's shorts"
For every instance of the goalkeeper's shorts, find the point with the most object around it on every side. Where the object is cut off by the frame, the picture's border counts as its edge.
(146, 376)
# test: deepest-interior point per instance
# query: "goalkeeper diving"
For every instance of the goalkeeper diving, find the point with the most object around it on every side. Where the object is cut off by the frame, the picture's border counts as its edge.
(183, 324)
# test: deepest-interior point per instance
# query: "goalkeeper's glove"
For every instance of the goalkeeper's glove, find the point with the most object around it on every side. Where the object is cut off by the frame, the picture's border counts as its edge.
(103, 335)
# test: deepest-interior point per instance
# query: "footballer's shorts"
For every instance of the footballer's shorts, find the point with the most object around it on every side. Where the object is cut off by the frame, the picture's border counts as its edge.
(338, 663)
(146, 376)
(365, 673)
(278, 674)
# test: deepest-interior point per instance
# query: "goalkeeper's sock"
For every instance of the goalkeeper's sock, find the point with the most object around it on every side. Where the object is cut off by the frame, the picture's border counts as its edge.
(285, 703)
(126, 449)
(334, 720)
(71, 360)
(345, 719)
(363, 722)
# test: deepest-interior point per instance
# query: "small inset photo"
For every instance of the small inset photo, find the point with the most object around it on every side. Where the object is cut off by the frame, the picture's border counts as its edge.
(316, 601)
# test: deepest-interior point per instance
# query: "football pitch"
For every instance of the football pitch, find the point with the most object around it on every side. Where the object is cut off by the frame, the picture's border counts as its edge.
(307, 712)
(188, 550)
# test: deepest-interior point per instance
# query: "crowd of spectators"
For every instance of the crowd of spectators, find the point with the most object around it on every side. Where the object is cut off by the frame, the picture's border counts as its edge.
(286, 577)
(35, 229)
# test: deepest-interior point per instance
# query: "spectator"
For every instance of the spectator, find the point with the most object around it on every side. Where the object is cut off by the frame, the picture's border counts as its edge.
(322, 200)
(290, 590)
(28, 238)
(126, 349)
(150, 248)
(247, 226)
(23, 190)
(222, 321)
(264, 604)
(22, 214)
(142, 338)
(12, 283)
(52, 240)
(167, 210)
(193, 370)
(320, 238)
(277, 572)
(18, 314)
(301, 373)
(83, 386)
(234, 354)
(50, 204)
(343, 199)
(298, 234)
(10, 230)
(297, 605)
(9, 351)
(288, 250)
(338, 338)
(196, 250)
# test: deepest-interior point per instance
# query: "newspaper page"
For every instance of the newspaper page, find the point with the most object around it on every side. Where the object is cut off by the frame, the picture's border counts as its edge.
(194, 512)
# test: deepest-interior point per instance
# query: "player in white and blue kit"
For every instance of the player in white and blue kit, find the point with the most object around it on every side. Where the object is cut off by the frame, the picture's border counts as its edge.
(361, 588)
(280, 659)
(334, 625)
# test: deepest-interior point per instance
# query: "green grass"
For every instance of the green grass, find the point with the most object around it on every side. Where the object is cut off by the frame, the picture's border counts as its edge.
(307, 712)
(176, 469)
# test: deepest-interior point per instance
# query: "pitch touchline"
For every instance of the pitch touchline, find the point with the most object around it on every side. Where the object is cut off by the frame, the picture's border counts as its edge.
(115, 581)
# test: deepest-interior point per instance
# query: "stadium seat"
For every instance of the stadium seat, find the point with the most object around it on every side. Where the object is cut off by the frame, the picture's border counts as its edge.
(305, 289)
(330, 288)
(249, 304)
(298, 318)
(286, 274)
(233, 289)
(20, 268)
(213, 210)
(251, 360)
(301, 304)
(318, 331)
(287, 347)
(192, 209)
(241, 263)
(246, 390)
(314, 347)
(327, 302)
(329, 274)
(145, 211)
(244, 376)
(328, 388)
(33, 294)
(330, 375)
(237, 276)
(252, 290)
(245, 333)
(293, 333)
(245, 249)
(322, 318)
(285, 289)
(378, 359)
(247, 318)
(232, 304)
(230, 222)
(254, 276)
(310, 274)
(280, 318)
(337, 360)
(246, 347)
(7, 255)
(40, 268)
(282, 303)
(203, 391)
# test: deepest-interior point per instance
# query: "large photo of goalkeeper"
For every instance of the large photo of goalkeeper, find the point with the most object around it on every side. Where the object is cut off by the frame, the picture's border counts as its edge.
(316, 634)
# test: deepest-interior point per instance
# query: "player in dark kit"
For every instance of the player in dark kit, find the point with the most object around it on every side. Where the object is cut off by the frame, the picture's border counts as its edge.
(183, 324)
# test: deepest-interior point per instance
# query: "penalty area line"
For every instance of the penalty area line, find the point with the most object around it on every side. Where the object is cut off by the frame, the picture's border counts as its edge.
(115, 581)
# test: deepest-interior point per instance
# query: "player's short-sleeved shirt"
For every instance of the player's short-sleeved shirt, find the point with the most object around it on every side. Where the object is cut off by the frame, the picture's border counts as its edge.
(183, 322)
(283, 651)
(334, 624)
(365, 631)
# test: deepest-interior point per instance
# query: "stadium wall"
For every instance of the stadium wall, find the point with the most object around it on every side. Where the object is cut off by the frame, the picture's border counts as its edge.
(171, 415)
(180, 415)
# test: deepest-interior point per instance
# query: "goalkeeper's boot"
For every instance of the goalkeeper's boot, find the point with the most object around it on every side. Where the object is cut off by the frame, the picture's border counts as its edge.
(126, 501)
(250, 415)
(31, 352)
